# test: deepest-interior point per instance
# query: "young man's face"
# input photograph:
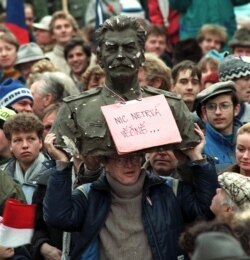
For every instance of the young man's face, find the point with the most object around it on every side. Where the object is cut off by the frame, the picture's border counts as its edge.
(243, 89)
(77, 60)
(62, 31)
(126, 170)
(220, 113)
(187, 86)
(155, 44)
(25, 147)
(23, 105)
(210, 42)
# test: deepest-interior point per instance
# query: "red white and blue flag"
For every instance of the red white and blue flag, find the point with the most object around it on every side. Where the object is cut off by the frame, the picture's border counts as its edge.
(15, 20)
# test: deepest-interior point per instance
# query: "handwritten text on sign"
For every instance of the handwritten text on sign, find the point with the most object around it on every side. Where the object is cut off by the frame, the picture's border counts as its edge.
(137, 125)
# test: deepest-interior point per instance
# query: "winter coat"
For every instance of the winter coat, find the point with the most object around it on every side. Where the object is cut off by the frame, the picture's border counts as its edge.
(163, 213)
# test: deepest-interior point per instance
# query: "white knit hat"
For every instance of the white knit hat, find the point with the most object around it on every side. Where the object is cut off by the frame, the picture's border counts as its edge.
(237, 186)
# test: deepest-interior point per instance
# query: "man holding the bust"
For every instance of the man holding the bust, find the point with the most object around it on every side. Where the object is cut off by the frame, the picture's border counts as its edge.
(126, 212)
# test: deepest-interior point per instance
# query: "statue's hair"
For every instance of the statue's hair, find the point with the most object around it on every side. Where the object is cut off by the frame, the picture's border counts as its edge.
(120, 23)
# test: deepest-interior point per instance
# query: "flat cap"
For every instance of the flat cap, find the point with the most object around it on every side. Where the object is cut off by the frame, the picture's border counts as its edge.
(214, 90)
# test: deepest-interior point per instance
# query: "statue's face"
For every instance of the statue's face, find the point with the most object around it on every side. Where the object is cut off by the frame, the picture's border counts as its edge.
(121, 54)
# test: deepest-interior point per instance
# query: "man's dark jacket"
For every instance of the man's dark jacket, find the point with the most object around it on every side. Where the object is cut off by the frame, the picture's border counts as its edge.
(163, 213)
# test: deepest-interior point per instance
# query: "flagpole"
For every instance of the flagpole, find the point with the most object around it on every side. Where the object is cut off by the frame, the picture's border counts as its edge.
(65, 6)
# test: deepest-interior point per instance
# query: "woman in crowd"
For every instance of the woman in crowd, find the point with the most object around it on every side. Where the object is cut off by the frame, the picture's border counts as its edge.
(242, 152)
(8, 53)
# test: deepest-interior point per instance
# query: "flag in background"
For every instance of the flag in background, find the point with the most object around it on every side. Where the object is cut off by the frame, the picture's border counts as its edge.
(99, 13)
(18, 223)
(15, 20)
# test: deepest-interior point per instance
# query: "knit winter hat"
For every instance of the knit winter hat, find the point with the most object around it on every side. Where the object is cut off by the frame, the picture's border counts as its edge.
(5, 113)
(237, 186)
(233, 67)
(13, 90)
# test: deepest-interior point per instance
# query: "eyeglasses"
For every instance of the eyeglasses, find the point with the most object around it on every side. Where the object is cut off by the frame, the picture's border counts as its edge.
(212, 107)
(124, 161)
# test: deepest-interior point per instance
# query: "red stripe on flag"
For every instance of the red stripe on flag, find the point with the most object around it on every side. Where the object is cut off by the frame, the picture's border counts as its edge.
(18, 215)
(21, 34)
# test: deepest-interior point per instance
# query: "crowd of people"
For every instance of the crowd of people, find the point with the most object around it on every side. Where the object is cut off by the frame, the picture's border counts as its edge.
(186, 199)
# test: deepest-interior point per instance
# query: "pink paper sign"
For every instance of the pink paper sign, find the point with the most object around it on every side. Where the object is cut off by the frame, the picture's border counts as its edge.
(137, 125)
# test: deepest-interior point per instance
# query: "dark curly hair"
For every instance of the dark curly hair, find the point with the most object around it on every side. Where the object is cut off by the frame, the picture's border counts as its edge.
(23, 122)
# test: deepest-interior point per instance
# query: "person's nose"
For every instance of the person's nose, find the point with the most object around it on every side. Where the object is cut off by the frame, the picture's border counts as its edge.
(218, 110)
(25, 144)
(246, 154)
(190, 85)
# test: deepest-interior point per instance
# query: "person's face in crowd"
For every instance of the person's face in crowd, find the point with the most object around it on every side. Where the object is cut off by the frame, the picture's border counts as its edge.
(143, 81)
(142, 77)
(124, 169)
(156, 44)
(243, 89)
(96, 80)
(29, 17)
(77, 60)
(163, 162)
(207, 71)
(43, 37)
(23, 105)
(6, 252)
(241, 51)
(48, 121)
(25, 68)
(187, 86)
(220, 113)
(218, 206)
(62, 31)
(25, 147)
(40, 102)
(243, 153)
(8, 54)
(121, 56)
(210, 42)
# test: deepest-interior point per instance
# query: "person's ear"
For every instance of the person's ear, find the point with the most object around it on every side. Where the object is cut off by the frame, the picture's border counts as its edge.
(47, 99)
(203, 113)
(237, 110)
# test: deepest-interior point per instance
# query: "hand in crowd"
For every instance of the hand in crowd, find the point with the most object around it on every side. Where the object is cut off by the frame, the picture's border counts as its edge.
(50, 252)
(194, 153)
(53, 151)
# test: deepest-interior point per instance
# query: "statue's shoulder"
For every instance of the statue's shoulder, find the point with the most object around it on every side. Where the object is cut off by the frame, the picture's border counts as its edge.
(83, 95)
(156, 91)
